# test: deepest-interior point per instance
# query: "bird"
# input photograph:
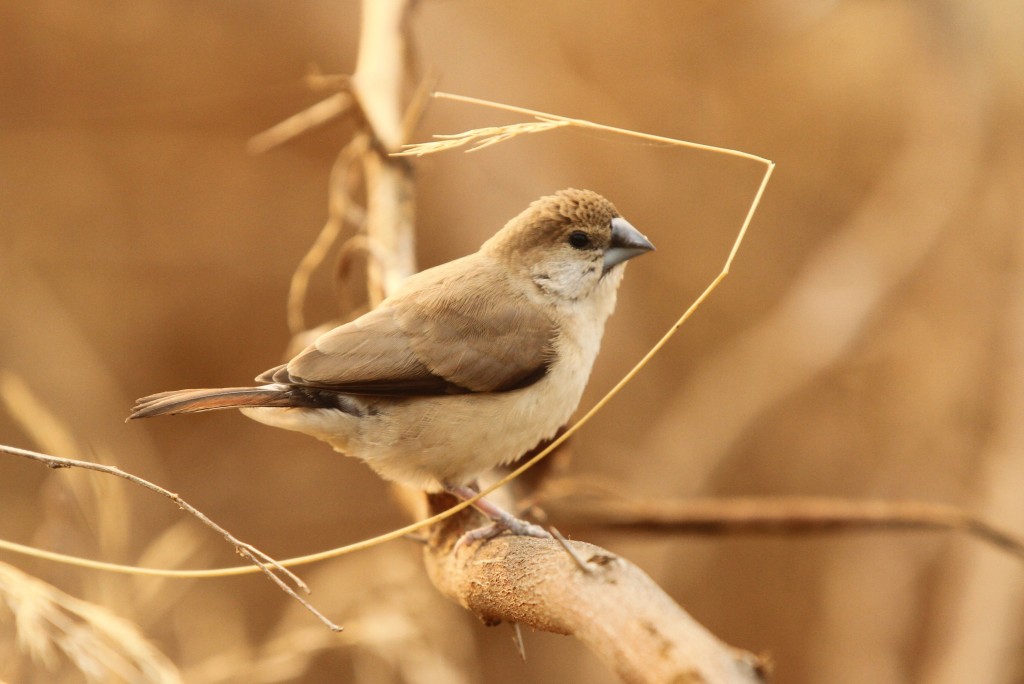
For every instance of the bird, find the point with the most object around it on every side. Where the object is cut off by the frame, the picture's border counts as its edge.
(465, 367)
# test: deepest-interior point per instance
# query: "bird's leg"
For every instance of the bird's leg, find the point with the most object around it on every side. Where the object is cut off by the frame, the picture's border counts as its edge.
(501, 520)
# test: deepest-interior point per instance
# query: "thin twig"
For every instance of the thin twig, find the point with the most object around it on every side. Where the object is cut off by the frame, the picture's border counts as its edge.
(264, 562)
(517, 639)
(781, 515)
(580, 562)
(337, 209)
(297, 124)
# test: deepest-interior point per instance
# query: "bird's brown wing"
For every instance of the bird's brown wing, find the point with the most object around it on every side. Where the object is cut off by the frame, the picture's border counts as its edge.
(450, 330)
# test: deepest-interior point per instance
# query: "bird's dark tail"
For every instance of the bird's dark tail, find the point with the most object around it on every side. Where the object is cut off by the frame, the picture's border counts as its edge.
(196, 400)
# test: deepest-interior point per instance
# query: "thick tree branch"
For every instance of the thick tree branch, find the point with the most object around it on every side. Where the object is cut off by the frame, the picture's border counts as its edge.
(613, 608)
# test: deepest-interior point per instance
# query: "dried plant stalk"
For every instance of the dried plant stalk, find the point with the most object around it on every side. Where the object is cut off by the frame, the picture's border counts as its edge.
(297, 124)
(546, 121)
(262, 562)
(379, 84)
(789, 515)
(479, 138)
(338, 210)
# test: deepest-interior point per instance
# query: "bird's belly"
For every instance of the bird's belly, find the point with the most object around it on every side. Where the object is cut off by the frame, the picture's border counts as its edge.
(428, 442)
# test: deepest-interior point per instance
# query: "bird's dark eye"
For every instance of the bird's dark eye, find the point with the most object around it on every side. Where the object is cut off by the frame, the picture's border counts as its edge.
(579, 239)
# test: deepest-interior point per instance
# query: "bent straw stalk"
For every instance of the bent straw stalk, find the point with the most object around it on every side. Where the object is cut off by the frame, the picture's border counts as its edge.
(480, 138)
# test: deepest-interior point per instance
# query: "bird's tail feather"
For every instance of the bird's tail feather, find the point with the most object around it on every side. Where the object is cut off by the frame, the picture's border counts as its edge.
(196, 400)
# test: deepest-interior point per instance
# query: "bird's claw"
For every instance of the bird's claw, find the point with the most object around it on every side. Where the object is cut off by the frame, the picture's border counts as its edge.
(502, 520)
(511, 525)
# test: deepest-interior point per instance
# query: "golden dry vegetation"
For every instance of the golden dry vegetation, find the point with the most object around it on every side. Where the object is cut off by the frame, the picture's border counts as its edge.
(868, 344)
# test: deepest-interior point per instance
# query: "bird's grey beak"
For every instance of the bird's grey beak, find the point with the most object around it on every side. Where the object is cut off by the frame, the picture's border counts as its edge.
(627, 242)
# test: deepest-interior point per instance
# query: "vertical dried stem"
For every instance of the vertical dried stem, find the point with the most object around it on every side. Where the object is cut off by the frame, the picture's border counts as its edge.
(379, 83)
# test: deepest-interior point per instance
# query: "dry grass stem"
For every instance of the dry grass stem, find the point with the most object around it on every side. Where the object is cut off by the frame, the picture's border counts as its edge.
(265, 563)
(479, 138)
(375, 89)
(297, 124)
(380, 83)
(382, 68)
(545, 118)
(338, 208)
(583, 123)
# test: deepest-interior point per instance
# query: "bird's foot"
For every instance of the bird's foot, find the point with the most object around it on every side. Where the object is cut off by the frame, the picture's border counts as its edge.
(501, 521)
(513, 526)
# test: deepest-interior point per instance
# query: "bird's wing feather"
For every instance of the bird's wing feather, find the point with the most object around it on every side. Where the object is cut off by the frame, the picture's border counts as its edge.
(444, 332)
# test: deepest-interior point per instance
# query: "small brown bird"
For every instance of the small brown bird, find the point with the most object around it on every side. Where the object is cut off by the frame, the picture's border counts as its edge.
(466, 367)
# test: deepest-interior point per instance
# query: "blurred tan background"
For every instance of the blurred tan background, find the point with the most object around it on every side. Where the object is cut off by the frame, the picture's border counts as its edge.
(869, 342)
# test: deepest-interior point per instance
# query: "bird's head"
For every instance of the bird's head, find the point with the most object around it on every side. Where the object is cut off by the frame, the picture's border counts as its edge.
(568, 243)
